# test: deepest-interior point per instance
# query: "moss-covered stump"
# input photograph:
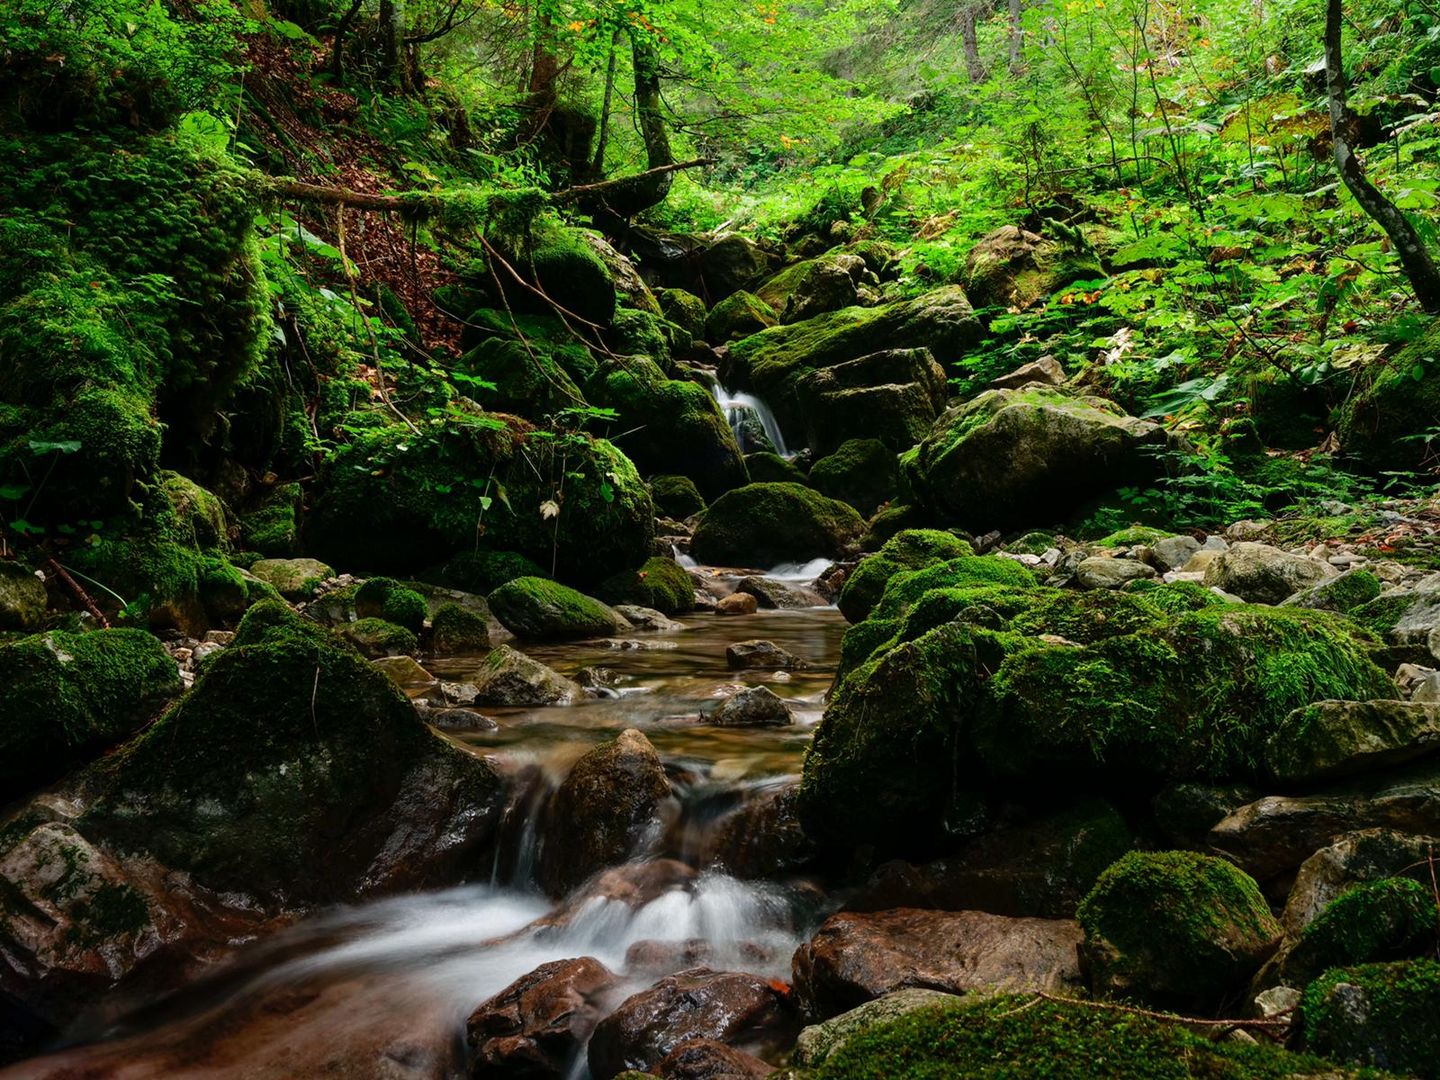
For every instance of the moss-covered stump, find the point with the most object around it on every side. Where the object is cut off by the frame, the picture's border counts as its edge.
(1034, 456)
(294, 769)
(1010, 1036)
(769, 524)
(1389, 919)
(676, 497)
(662, 584)
(1174, 929)
(909, 549)
(738, 315)
(385, 598)
(678, 426)
(544, 610)
(966, 677)
(458, 631)
(392, 501)
(1381, 1015)
(1379, 424)
(862, 472)
(66, 697)
(22, 598)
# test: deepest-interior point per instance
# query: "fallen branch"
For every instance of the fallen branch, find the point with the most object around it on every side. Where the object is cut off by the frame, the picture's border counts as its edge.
(86, 600)
(1274, 1026)
(580, 191)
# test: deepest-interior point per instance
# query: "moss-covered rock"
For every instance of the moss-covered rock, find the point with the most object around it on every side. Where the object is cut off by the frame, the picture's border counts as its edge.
(1265, 575)
(294, 579)
(676, 496)
(766, 467)
(1382, 1015)
(557, 258)
(375, 638)
(909, 549)
(1329, 739)
(662, 584)
(545, 610)
(385, 598)
(1344, 592)
(1389, 919)
(1012, 267)
(272, 528)
(199, 515)
(527, 377)
(677, 427)
(22, 597)
(1009, 1036)
(1174, 928)
(1034, 456)
(862, 472)
(391, 500)
(768, 524)
(738, 315)
(66, 697)
(290, 770)
(813, 287)
(458, 631)
(1380, 424)
(684, 309)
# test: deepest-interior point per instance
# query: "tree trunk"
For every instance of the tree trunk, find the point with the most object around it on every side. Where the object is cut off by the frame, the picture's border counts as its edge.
(1016, 35)
(648, 189)
(392, 43)
(1419, 267)
(337, 55)
(597, 167)
(968, 15)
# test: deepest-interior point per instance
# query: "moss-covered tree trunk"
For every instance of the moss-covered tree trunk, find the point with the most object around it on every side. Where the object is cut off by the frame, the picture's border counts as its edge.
(648, 189)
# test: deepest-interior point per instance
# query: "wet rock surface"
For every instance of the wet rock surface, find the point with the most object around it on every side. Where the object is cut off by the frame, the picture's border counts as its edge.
(539, 1025)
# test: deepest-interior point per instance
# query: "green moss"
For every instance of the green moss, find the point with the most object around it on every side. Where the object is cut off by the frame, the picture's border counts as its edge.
(1379, 425)
(862, 472)
(526, 376)
(1346, 592)
(199, 515)
(1034, 542)
(64, 697)
(377, 637)
(1382, 1015)
(676, 496)
(561, 263)
(540, 609)
(739, 315)
(273, 527)
(639, 333)
(684, 309)
(662, 584)
(385, 598)
(1175, 597)
(482, 571)
(1174, 928)
(910, 549)
(769, 524)
(1009, 1037)
(904, 588)
(458, 631)
(1133, 536)
(765, 467)
(1390, 919)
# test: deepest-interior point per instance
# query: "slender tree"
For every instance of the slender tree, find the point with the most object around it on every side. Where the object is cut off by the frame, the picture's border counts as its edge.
(1416, 261)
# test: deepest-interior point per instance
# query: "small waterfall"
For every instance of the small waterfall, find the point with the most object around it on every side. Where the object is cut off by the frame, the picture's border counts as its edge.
(742, 409)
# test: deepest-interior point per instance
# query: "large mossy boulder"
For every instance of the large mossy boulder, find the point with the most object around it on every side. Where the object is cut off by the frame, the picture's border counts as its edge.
(1331, 739)
(967, 677)
(676, 497)
(1384, 1016)
(672, 426)
(391, 500)
(1009, 459)
(1263, 574)
(297, 771)
(543, 610)
(1174, 929)
(825, 283)
(1384, 424)
(66, 697)
(684, 309)
(1009, 1036)
(661, 583)
(909, 549)
(858, 372)
(769, 524)
(738, 315)
(861, 472)
(1013, 267)
(527, 377)
(565, 266)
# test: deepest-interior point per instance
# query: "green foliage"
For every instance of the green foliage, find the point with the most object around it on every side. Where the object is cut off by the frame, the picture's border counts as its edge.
(1382, 1015)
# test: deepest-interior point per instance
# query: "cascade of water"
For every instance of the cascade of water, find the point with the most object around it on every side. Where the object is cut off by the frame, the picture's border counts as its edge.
(740, 407)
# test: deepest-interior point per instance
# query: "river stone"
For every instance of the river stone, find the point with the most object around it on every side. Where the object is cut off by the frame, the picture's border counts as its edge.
(1173, 552)
(1340, 738)
(855, 957)
(763, 839)
(773, 593)
(1261, 574)
(1353, 859)
(737, 604)
(760, 655)
(728, 1007)
(755, 706)
(1277, 833)
(706, 1059)
(1008, 459)
(644, 618)
(536, 1026)
(293, 579)
(1101, 572)
(818, 1041)
(509, 677)
(405, 671)
(544, 610)
(22, 598)
(604, 808)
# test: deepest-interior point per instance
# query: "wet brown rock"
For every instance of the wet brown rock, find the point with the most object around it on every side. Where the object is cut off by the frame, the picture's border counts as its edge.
(535, 1027)
(763, 839)
(737, 604)
(706, 1059)
(607, 804)
(774, 593)
(1355, 858)
(856, 957)
(759, 655)
(657, 958)
(728, 1007)
(755, 706)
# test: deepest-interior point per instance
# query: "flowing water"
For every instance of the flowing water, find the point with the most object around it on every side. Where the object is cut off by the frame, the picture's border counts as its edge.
(392, 981)
(740, 410)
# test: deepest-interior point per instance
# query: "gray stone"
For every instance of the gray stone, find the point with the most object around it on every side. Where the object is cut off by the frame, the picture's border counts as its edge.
(1353, 859)
(759, 655)
(1342, 738)
(404, 671)
(774, 593)
(644, 618)
(1173, 552)
(509, 677)
(1100, 572)
(1046, 370)
(1259, 573)
(293, 579)
(755, 706)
